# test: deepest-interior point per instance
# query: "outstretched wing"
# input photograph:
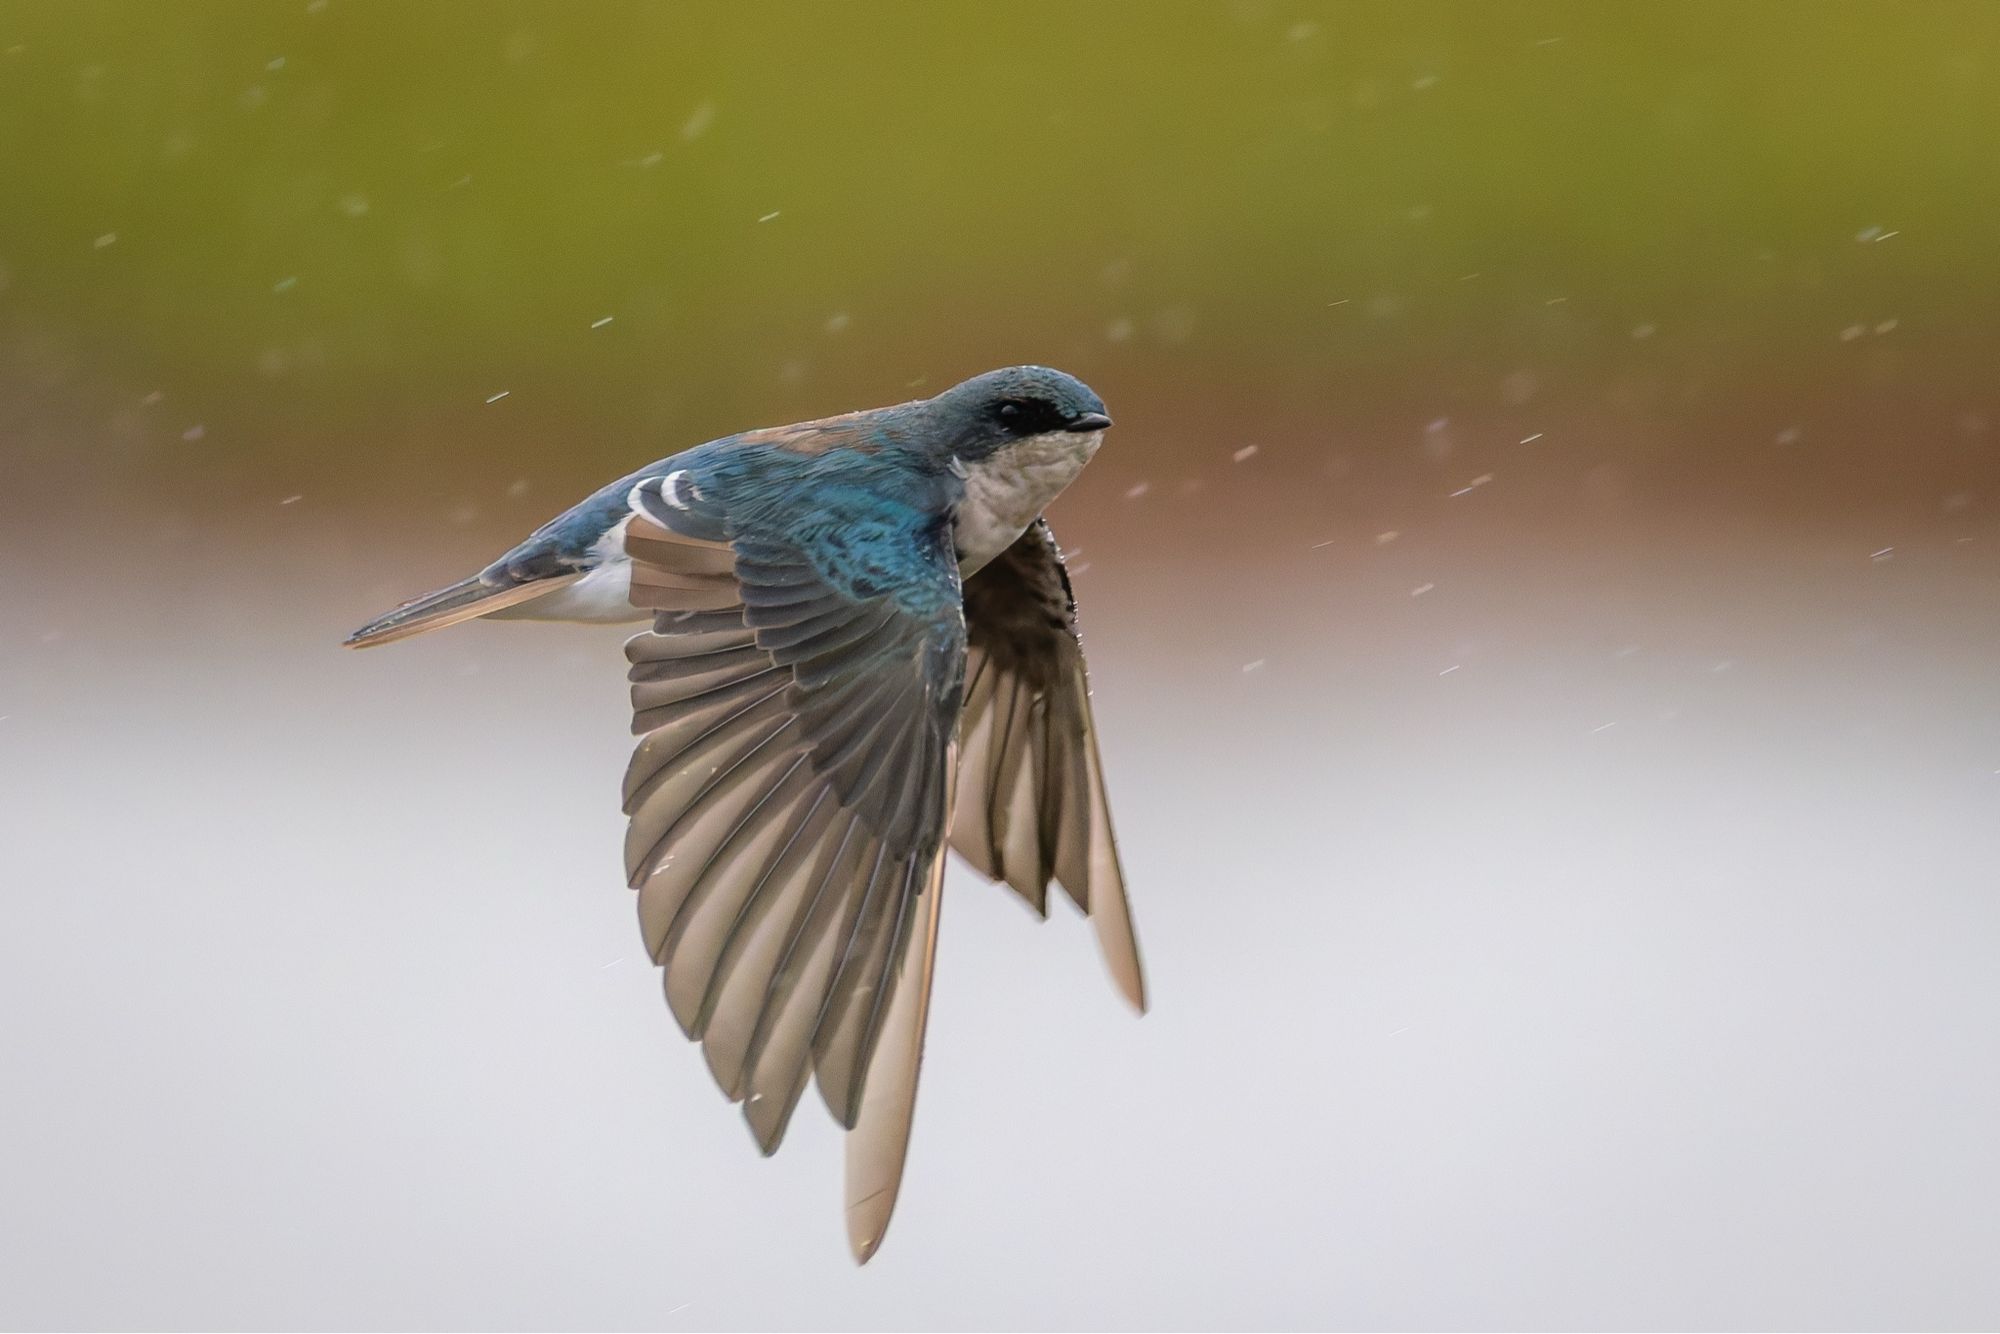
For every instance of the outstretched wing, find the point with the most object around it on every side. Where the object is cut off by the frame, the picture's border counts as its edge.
(1031, 806)
(788, 803)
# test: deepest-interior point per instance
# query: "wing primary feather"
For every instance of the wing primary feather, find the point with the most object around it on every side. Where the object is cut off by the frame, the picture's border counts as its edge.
(815, 664)
(801, 632)
(655, 716)
(1073, 830)
(1016, 829)
(725, 850)
(663, 745)
(969, 817)
(812, 601)
(819, 658)
(844, 745)
(844, 717)
(759, 569)
(781, 1049)
(651, 647)
(1053, 791)
(676, 625)
(693, 834)
(837, 1079)
(996, 789)
(644, 842)
(698, 662)
(736, 992)
(843, 1056)
(879, 1146)
(1111, 911)
(858, 776)
(976, 663)
(720, 721)
(736, 868)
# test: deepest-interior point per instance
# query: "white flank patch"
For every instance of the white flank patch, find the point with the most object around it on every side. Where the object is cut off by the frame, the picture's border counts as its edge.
(604, 594)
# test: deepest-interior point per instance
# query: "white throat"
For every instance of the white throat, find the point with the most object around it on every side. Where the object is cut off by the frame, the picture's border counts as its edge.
(1008, 489)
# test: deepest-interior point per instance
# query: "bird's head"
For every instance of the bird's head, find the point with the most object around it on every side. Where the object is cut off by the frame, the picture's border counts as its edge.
(1001, 409)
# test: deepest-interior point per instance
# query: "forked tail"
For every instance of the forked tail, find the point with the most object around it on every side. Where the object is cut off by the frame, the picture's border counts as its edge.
(465, 600)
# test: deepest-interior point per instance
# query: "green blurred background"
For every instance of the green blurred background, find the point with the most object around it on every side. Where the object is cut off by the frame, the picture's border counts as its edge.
(326, 236)
(1543, 596)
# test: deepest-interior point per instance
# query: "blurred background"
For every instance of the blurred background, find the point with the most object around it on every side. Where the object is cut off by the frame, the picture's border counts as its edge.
(1543, 595)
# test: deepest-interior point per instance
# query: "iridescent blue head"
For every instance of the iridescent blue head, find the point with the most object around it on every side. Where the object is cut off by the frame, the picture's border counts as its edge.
(1004, 407)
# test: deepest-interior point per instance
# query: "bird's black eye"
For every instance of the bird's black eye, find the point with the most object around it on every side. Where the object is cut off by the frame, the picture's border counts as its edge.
(1009, 413)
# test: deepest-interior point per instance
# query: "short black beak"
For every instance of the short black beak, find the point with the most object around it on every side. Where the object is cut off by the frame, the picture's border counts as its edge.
(1089, 421)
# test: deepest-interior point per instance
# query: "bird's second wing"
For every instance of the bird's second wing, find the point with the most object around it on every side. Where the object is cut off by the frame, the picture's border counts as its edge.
(788, 802)
(1031, 806)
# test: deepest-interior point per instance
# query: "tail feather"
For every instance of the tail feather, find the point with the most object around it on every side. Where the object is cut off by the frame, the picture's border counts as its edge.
(465, 600)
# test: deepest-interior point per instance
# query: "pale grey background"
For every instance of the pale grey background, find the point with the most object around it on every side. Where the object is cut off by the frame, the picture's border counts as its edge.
(1637, 972)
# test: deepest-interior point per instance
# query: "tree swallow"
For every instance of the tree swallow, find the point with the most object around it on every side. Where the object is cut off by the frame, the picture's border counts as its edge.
(863, 650)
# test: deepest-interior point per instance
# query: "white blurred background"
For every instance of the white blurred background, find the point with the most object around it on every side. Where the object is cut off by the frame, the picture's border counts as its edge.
(1603, 936)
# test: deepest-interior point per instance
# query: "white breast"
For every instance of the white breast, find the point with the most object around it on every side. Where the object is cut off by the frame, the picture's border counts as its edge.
(1005, 491)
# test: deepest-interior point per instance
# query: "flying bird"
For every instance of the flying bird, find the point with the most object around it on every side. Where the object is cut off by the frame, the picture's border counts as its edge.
(863, 651)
